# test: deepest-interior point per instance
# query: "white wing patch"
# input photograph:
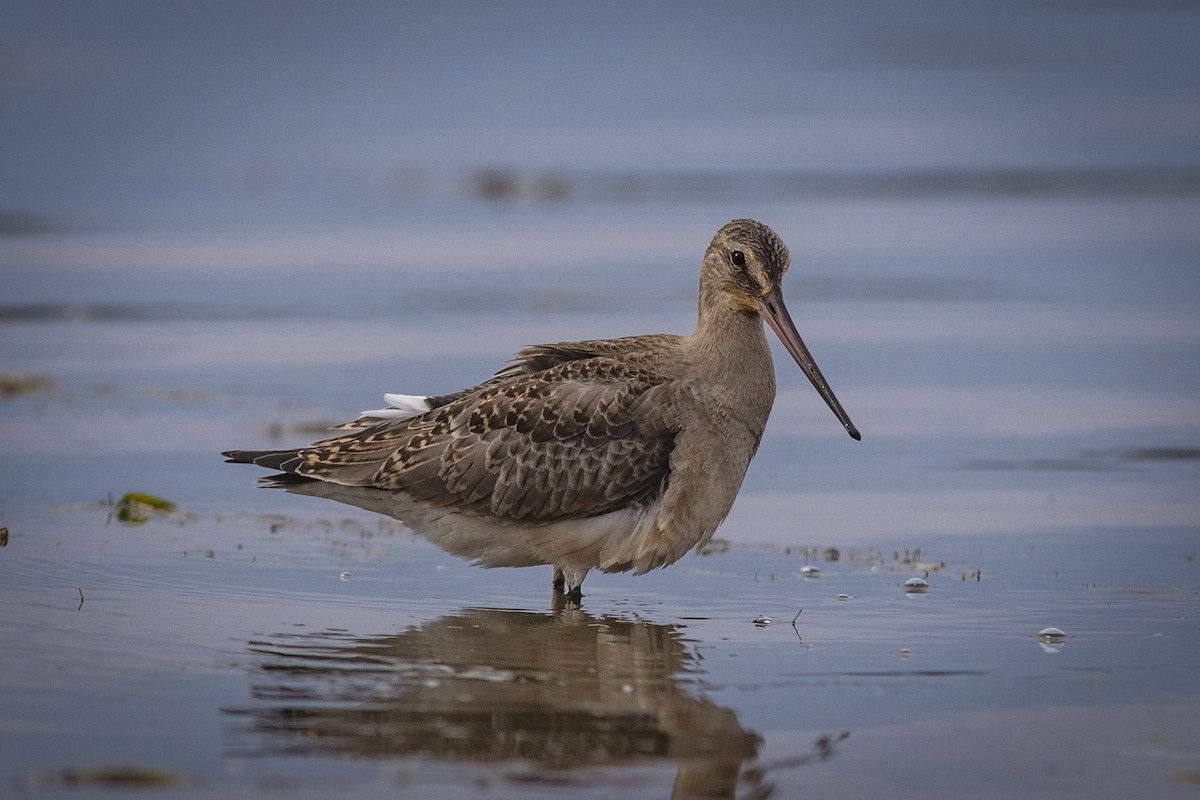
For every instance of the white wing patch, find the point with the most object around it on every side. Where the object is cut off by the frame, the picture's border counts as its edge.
(400, 406)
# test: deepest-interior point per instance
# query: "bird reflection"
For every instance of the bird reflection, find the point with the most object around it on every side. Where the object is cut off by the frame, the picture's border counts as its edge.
(559, 691)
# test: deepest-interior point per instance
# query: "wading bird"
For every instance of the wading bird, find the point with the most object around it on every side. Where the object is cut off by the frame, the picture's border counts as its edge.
(611, 454)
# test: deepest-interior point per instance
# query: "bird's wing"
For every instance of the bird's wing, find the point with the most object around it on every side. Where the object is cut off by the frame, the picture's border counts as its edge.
(530, 360)
(541, 357)
(579, 438)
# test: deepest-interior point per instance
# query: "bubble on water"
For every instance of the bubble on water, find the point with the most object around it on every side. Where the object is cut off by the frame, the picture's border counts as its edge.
(916, 585)
(1051, 639)
(810, 571)
(843, 596)
(762, 621)
(1051, 635)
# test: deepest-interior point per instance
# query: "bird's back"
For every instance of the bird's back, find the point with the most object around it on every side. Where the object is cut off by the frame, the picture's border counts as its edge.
(567, 429)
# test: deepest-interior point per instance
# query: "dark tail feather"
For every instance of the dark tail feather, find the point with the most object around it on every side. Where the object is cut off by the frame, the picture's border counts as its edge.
(272, 459)
(283, 480)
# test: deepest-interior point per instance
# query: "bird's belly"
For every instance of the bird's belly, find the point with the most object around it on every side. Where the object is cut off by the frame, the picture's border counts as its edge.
(605, 541)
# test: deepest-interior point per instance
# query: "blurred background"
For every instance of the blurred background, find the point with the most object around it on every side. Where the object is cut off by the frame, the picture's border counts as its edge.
(191, 114)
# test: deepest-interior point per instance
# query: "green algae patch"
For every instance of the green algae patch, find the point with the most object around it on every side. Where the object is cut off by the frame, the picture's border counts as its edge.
(135, 508)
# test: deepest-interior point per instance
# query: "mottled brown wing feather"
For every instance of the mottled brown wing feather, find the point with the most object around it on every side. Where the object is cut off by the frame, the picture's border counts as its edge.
(541, 357)
(580, 437)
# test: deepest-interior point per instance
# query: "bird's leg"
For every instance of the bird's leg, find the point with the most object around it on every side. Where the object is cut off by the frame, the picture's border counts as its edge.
(571, 580)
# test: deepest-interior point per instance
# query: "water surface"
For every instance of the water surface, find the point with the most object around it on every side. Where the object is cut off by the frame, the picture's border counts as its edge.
(993, 226)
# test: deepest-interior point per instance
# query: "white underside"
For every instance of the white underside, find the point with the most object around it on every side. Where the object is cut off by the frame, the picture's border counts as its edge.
(606, 541)
(612, 542)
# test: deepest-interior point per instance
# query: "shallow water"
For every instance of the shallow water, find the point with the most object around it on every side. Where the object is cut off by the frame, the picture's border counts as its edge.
(313, 654)
(993, 226)
(1036, 468)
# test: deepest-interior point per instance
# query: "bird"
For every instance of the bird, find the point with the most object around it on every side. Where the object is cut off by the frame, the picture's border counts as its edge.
(610, 454)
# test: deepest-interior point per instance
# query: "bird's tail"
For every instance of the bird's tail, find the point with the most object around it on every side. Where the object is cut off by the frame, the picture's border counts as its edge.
(272, 459)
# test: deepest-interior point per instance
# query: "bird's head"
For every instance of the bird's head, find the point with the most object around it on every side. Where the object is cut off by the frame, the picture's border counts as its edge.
(743, 268)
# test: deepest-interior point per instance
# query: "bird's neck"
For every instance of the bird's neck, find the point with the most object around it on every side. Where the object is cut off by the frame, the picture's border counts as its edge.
(729, 349)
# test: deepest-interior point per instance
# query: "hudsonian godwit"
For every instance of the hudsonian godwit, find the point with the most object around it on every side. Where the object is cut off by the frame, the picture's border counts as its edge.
(611, 454)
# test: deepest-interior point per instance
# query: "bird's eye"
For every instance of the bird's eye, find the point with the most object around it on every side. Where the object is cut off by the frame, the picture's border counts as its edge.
(738, 258)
